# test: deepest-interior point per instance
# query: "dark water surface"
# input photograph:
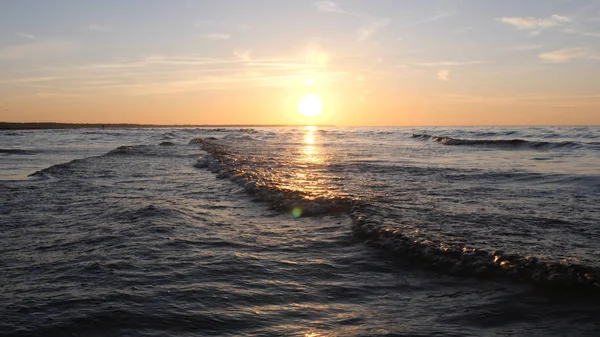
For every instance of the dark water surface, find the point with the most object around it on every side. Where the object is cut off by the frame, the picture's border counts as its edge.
(452, 232)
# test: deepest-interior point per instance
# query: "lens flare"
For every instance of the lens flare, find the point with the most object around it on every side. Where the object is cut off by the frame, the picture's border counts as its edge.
(297, 212)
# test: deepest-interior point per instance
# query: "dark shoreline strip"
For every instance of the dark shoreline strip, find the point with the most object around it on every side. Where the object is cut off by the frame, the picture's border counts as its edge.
(60, 126)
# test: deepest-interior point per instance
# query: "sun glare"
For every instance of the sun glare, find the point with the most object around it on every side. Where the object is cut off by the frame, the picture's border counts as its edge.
(310, 105)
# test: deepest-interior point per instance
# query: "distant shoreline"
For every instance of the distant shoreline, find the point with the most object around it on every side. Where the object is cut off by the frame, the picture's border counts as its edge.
(62, 126)
(66, 126)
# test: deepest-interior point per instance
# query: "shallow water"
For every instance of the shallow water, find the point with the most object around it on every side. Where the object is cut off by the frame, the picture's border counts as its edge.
(150, 240)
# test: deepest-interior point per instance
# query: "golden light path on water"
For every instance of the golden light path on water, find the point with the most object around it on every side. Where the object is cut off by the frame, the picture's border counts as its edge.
(296, 168)
(305, 169)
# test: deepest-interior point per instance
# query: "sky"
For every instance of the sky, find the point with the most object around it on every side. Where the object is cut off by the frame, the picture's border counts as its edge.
(366, 62)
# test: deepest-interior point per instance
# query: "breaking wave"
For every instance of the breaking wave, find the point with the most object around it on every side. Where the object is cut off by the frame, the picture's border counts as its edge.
(369, 223)
(225, 165)
(507, 143)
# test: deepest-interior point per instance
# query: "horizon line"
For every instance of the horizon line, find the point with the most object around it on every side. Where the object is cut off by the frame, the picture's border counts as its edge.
(62, 125)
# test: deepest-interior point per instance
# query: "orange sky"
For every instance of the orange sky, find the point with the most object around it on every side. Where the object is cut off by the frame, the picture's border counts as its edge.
(394, 63)
(269, 105)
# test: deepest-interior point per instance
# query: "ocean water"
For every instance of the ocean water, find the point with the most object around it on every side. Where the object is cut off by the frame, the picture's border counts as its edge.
(306, 231)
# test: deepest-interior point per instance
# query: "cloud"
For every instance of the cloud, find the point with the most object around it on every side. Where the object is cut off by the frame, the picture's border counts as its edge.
(530, 99)
(329, 6)
(29, 81)
(217, 37)
(525, 47)
(207, 23)
(164, 74)
(366, 32)
(54, 95)
(566, 55)
(244, 55)
(98, 28)
(443, 75)
(433, 18)
(444, 63)
(531, 23)
(36, 79)
(27, 36)
(36, 49)
(580, 32)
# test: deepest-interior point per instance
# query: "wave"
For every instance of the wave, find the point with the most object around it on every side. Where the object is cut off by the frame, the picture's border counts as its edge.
(225, 165)
(16, 152)
(242, 130)
(169, 135)
(371, 224)
(125, 150)
(67, 168)
(166, 144)
(506, 143)
(368, 225)
(164, 149)
(146, 150)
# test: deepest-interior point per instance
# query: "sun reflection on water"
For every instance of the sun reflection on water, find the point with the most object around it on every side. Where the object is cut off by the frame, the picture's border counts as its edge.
(309, 137)
(312, 334)
(307, 172)
(311, 153)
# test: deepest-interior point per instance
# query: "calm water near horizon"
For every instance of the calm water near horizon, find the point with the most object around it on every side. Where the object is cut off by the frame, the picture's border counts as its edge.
(300, 231)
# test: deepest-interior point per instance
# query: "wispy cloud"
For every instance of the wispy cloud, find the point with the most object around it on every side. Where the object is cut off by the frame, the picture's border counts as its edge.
(530, 99)
(27, 36)
(463, 30)
(29, 80)
(531, 23)
(329, 6)
(581, 32)
(433, 18)
(98, 28)
(202, 23)
(36, 79)
(161, 74)
(525, 47)
(54, 95)
(217, 37)
(244, 55)
(443, 75)
(366, 32)
(566, 55)
(36, 49)
(442, 63)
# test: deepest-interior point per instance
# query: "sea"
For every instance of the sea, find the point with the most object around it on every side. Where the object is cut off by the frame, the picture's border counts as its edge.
(300, 231)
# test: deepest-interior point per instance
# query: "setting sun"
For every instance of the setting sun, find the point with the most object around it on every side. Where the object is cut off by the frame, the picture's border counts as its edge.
(310, 105)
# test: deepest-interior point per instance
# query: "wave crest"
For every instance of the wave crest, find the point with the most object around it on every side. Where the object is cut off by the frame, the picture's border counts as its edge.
(229, 166)
(246, 164)
(463, 261)
(506, 143)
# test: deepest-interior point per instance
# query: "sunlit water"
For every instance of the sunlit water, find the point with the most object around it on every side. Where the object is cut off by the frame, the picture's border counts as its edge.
(261, 232)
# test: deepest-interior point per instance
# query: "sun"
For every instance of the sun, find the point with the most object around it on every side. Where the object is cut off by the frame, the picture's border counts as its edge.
(310, 105)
